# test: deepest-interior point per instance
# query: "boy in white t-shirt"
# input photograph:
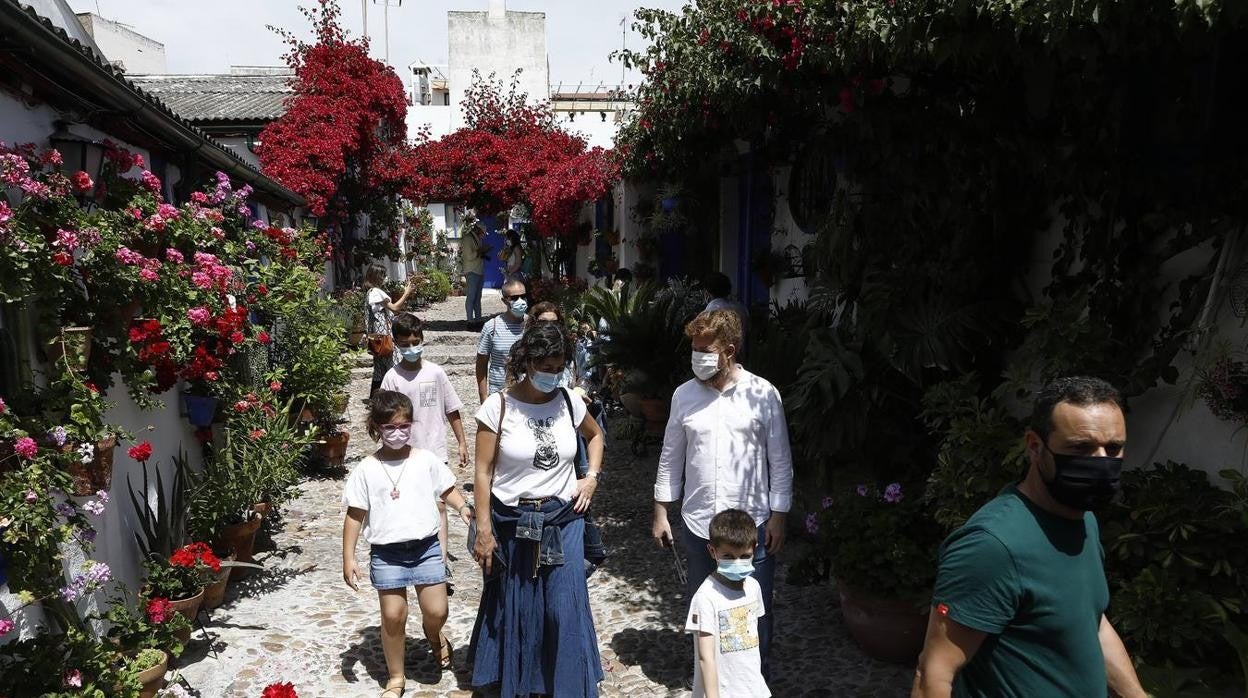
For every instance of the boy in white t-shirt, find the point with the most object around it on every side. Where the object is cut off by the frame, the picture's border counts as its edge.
(724, 613)
(434, 402)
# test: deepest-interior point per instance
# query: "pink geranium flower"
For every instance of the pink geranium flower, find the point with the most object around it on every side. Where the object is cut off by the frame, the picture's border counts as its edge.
(26, 447)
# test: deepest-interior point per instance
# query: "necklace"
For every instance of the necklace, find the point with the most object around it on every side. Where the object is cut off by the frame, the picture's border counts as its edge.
(394, 482)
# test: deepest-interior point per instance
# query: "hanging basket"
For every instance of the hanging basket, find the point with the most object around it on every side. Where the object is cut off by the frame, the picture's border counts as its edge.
(71, 344)
(200, 409)
(96, 474)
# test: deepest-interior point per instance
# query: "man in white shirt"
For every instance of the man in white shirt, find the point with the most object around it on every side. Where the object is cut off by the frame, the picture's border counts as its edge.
(497, 336)
(726, 447)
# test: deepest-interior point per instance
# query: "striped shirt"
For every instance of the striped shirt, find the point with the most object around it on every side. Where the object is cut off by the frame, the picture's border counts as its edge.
(496, 339)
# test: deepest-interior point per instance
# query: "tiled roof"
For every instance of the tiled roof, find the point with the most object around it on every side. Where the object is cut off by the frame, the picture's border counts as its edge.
(206, 98)
(170, 120)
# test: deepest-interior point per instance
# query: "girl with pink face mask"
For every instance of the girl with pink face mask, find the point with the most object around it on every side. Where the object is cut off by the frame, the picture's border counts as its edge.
(391, 496)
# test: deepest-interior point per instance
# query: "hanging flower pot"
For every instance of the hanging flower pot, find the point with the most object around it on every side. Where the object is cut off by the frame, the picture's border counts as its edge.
(95, 474)
(188, 608)
(71, 344)
(669, 203)
(200, 409)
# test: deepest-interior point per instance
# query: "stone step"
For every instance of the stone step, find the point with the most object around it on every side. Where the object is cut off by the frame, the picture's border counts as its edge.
(463, 369)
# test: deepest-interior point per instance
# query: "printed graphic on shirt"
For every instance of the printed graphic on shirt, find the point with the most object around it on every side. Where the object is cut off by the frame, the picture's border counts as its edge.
(546, 455)
(428, 394)
(737, 629)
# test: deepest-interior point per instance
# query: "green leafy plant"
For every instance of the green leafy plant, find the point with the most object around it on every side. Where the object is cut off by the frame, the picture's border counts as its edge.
(163, 529)
(646, 341)
(136, 623)
(181, 575)
(1177, 565)
(70, 665)
(981, 449)
(880, 541)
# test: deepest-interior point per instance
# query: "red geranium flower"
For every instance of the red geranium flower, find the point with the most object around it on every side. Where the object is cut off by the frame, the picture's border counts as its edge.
(159, 610)
(141, 452)
(279, 690)
(265, 339)
(63, 258)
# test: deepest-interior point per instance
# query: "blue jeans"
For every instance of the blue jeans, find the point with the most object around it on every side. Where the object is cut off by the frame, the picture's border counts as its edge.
(472, 295)
(701, 565)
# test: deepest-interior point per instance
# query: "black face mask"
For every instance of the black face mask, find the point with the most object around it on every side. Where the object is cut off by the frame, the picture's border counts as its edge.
(1086, 483)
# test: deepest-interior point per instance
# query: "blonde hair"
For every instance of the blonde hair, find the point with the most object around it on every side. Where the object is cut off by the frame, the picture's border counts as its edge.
(724, 325)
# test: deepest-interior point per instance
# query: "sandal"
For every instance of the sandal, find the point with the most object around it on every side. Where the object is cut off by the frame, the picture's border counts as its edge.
(393, 690)
(446, 654)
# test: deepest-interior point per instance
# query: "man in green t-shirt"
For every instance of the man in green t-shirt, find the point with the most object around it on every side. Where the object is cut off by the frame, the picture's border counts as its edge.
(1020, 599)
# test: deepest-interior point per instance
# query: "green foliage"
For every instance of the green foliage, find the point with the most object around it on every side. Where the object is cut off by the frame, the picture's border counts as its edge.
(646, 343)
(981, 449)
(131, 628)
(313, 370)
(40, 666)
(434, 286)
(162, 529)
(886, 548)
(1177, 566)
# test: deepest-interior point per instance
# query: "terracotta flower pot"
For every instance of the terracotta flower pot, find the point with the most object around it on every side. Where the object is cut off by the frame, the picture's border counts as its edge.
(214, 593)
(242, 538)
(96, 475)
(188, 608)
(333, 449)
(153, 679)
(891, 630)
(656, 412)
(72, 344)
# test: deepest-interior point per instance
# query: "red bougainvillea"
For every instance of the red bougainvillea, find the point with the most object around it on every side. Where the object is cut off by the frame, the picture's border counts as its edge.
(343, 139)
(512, 152)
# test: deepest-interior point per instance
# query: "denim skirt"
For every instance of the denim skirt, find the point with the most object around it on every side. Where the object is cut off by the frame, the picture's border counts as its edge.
(406, 564)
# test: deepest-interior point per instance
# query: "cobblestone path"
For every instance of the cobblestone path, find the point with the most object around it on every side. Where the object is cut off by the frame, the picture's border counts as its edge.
(296, 621)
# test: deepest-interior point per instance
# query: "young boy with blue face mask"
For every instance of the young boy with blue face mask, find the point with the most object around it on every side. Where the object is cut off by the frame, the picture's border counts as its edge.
(434, 401)
(724, 613)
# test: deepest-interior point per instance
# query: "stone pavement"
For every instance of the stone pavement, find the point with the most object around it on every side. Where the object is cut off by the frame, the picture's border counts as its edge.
(297, 621)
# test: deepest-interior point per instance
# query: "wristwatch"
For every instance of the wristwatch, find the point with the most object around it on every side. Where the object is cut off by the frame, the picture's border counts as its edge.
(597, 476)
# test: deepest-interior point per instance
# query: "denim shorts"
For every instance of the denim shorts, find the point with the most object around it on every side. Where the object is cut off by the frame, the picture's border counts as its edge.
(410, 563)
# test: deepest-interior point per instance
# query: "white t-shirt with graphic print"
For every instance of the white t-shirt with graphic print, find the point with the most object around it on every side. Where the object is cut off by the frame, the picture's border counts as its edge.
(537, 449)
(731, 617)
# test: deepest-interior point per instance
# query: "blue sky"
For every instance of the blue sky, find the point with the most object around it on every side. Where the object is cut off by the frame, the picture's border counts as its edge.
(203, 37)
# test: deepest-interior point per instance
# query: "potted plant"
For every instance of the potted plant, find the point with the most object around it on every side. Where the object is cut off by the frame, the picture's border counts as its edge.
(222, 499)
(150, 666)
(200, 403)
(181, 578)
(85, 440)
(646, 346)
(882, 546)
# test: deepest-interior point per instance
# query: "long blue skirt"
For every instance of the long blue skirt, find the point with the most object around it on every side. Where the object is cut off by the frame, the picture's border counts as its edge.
(536, 634)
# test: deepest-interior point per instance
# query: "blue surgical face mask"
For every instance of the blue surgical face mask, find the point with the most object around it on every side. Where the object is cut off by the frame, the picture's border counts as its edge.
(735, 570)
(412, 354)
(519, 307)
(545, 382)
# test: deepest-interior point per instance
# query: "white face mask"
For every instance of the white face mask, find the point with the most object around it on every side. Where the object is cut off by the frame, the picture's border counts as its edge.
(705, 365)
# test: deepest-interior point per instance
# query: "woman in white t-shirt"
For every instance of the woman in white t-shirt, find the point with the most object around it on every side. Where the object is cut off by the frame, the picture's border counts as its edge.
(530, 528)
(378, 312)
(391, 495)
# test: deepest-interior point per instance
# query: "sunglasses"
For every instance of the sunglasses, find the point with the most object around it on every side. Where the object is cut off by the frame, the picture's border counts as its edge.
(392, 428)
(516, 297)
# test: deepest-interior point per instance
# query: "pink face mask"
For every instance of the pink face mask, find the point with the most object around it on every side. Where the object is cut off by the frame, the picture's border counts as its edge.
(396, 435)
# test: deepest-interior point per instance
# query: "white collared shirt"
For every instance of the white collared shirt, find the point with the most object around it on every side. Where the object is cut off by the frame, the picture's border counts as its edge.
(726, 450)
